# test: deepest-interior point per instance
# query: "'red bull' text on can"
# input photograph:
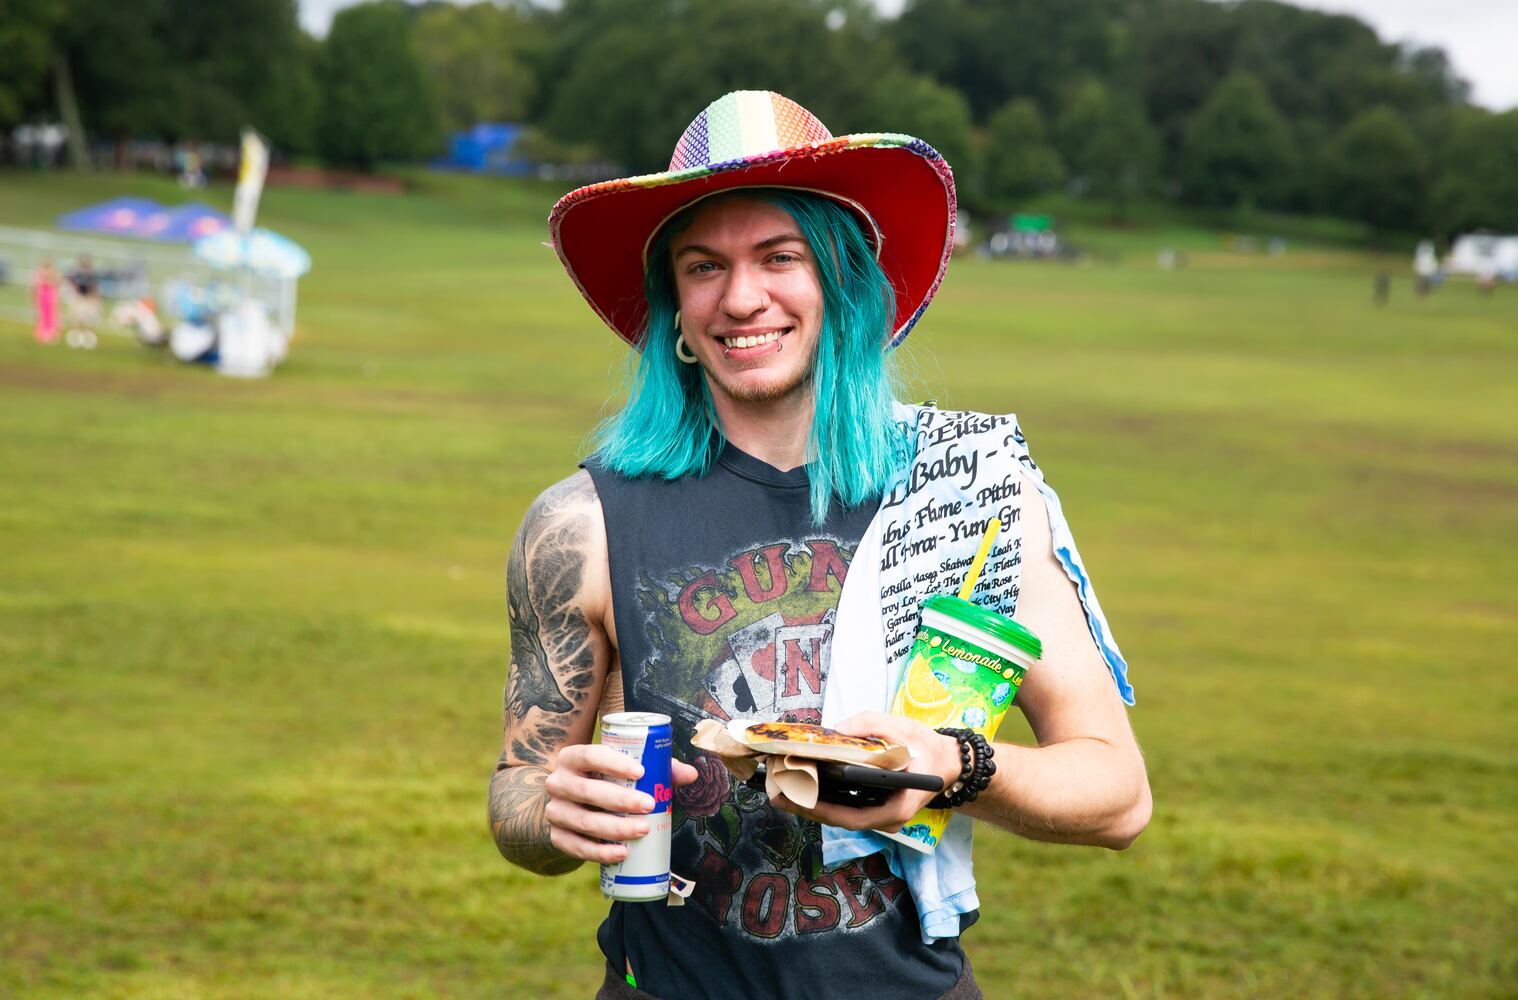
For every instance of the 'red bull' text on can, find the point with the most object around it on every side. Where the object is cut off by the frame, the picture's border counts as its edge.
(646, 737)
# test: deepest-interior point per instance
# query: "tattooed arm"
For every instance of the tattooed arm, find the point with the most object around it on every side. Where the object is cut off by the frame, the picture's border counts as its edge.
(1085, 781)
(557, 586)
(548, 807)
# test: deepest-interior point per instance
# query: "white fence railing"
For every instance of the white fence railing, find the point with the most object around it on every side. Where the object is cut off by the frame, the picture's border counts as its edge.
(126, 270)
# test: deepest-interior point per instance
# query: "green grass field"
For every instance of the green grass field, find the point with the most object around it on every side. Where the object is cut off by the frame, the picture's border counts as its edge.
(252, 635)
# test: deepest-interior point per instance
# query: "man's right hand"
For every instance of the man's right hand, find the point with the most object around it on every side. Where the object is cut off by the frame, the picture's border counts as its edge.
(549, 809)
(583, 806)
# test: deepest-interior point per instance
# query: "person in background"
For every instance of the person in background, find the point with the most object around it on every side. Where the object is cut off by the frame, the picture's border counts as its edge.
(45, 298)
(1425, 267)
(83, 304)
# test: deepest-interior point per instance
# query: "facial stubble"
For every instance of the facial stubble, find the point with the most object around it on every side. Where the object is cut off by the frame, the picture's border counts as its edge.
(798, 387)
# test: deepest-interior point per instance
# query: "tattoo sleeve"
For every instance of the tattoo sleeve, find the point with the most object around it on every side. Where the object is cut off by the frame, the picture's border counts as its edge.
(517, 801)
(558, 664)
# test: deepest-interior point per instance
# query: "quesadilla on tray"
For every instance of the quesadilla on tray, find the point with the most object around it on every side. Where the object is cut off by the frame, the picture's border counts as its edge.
(817, 742)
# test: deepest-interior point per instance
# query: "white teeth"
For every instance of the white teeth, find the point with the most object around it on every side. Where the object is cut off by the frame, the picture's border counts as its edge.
(754, 341)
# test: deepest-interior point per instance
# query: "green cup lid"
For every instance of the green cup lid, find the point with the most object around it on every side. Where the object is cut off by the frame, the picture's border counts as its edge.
(1001, 626)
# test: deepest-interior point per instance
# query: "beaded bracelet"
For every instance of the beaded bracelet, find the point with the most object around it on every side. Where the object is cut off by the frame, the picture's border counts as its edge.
(975, 769)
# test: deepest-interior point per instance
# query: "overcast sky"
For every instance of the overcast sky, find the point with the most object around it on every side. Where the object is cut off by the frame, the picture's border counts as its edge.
(1479, 35)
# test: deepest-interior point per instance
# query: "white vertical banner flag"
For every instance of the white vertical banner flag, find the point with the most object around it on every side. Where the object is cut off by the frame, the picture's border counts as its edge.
(250, 179)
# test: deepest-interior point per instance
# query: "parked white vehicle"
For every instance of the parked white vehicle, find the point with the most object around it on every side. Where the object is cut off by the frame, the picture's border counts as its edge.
(1484, 256)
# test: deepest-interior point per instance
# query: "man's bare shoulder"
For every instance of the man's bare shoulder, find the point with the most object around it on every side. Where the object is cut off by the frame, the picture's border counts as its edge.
(1033, 521)
(1072, 675)
(564, 526)
(573, 496)
(569, 511)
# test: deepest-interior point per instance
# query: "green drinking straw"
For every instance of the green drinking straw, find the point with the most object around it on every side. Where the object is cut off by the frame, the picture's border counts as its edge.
(972, 577)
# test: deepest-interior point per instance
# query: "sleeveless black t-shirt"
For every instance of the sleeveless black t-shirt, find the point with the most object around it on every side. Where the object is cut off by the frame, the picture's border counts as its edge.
(724, 594)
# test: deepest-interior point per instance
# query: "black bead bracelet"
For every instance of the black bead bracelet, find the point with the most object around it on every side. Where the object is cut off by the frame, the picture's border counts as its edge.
(975, 769)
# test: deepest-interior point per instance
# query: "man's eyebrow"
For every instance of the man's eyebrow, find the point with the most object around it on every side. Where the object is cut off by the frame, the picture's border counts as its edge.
(765, 244)
(782, 238)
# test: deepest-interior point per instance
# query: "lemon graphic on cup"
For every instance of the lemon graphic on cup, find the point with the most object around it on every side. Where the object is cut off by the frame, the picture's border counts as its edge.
(925, 697)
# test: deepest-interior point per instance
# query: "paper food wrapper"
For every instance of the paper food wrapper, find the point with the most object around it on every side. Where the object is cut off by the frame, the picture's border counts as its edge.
(789, 755)
(796, 777)
(712, 736)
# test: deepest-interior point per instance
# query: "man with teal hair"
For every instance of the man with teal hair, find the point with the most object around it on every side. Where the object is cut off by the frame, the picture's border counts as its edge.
(694, 567)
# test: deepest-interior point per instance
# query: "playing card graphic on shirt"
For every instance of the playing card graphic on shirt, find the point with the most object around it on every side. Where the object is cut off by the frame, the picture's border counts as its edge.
(752, 638)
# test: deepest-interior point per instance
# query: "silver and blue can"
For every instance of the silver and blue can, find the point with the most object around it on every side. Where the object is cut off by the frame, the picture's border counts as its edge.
(646, 737)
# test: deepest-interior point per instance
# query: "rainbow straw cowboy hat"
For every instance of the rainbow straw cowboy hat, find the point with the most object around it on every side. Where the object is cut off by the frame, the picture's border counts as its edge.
(900, 187)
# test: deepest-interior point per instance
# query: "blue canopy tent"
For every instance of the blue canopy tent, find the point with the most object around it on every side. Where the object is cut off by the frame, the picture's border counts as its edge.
(116, 217)
(182, 224)
(143, 219)
(486, 149)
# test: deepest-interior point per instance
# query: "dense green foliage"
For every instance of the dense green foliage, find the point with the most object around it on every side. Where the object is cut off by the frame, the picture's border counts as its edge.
(26, 29)
(1238, 147)
(1376, 170)
(184, 69)
(1109, 143)
(1475, 180)
(1252, 104)
(1019, 158)
(253, 635)
(994, 52)
(374, 102)
(477, 58)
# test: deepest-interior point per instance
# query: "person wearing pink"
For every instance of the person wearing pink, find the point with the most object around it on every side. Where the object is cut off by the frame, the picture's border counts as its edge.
(45, 297)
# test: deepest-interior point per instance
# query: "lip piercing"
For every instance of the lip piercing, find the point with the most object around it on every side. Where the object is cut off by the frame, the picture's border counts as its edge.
(779, 346)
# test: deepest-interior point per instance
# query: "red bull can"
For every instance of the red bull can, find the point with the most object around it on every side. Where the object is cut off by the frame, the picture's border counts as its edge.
(646, 737)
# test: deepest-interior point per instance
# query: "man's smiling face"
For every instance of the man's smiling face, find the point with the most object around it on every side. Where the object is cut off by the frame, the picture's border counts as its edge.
(750, 300)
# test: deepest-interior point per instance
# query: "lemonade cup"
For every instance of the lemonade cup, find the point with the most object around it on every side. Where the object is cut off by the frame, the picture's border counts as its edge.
(963, 671)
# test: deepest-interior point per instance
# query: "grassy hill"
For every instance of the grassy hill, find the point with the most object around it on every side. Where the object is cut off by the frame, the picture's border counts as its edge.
(252, 635)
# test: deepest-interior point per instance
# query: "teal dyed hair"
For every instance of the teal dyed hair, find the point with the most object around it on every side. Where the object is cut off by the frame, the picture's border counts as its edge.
(668, 428)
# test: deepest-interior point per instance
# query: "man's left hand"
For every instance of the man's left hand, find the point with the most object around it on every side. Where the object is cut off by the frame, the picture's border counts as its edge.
(932, 753)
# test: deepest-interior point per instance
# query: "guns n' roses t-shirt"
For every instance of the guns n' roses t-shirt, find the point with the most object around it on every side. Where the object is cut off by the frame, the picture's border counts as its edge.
(724, 595)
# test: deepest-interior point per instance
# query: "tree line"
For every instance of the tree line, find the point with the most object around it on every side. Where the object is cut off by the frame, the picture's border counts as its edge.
(1235, 106)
